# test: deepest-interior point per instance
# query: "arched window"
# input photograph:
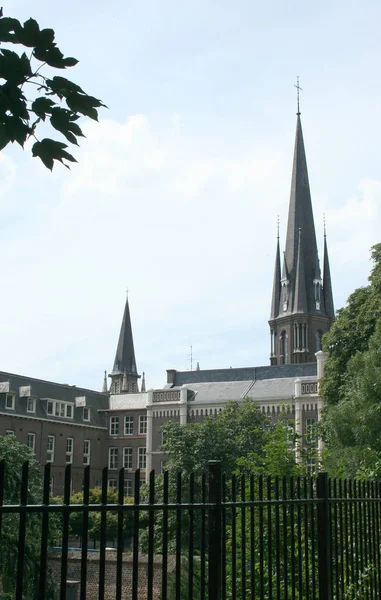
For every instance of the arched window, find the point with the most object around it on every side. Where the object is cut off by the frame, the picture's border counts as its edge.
(284, 347)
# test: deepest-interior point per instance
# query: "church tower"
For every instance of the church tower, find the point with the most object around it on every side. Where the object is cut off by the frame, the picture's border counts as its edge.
(124, 376)
(302, 307)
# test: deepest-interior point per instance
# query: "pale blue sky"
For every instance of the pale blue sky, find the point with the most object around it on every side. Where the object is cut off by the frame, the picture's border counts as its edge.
(178, 188)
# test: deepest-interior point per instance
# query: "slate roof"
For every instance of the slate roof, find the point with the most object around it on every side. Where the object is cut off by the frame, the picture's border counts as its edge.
(262, 390)
(245, 373)
(42, 390)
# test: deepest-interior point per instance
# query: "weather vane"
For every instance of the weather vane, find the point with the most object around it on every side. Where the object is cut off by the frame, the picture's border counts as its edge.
(298, 90)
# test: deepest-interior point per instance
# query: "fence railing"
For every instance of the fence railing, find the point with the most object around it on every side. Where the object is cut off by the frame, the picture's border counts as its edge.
(207, 538)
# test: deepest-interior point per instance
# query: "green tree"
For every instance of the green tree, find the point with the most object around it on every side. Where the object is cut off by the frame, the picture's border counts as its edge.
(352, 426)
(28, 97)
(15, 455)
(94, 527)
(351, 332)
(234, 432)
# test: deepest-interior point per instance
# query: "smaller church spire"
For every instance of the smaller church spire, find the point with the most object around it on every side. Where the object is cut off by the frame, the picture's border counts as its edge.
(300, 305)
(104, 388)
(327, 284)
(143, 383)
(277, 283)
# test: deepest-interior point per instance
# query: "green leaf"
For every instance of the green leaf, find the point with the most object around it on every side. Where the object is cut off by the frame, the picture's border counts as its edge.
(13, 101)
(16, 129)
(84, 104)
(50, 150)
(46, 38)
(41, 106)
(7, 26)
(62, 86)
(30, 33)
(70, 61)
(14, 68)
(52, 56)
(4, 137)
(61, 120)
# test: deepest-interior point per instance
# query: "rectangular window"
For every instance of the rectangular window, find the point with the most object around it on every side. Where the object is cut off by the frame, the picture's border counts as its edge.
(31, 405)
(98, 484)
(127, 458)
(113, 458)
(128, 425)
(50, 448)
(10, 432)
(86, 452)
(69, 411)
(143, 424)
(114, 425)
(50, 407)
(86, 413)
(10, 401)
(142, 458)
(310, 431)
(31, 441)
(112, 484)
(127, 487)
(69, 450)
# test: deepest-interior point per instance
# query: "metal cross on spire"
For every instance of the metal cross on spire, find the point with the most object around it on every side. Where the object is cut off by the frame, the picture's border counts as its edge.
(277, 226)
(298, 90)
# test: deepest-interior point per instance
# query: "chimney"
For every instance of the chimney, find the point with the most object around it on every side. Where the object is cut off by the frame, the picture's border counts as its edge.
(171, 376)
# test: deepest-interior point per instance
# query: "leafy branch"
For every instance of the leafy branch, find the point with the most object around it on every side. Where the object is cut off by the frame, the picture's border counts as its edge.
(60, 101)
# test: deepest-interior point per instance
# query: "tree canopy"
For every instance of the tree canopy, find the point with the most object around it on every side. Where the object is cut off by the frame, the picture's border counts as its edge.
(28, 98)
(352, 382)
(234, 432)
(351, 332)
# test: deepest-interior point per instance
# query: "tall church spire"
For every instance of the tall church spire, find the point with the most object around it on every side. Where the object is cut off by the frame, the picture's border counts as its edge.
(125, 370)
(305, 311)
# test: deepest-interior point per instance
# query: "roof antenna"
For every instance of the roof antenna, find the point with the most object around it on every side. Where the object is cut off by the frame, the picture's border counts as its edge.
(298, 90)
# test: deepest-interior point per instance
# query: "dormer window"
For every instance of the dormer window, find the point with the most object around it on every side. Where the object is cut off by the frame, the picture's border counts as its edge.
(10, 401)
(31, 405)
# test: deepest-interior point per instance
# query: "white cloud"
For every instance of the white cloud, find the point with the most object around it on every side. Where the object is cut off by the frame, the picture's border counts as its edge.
(193, 237)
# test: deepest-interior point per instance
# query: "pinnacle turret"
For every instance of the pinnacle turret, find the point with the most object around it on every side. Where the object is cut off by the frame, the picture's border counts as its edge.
(327, 284)
(276, 285)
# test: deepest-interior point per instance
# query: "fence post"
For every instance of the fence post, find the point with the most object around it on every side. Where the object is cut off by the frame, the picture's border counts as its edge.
(214, 531)
(324, 533)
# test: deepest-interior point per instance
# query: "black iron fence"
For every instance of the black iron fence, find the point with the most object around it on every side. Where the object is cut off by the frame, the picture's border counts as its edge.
(207, 538)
